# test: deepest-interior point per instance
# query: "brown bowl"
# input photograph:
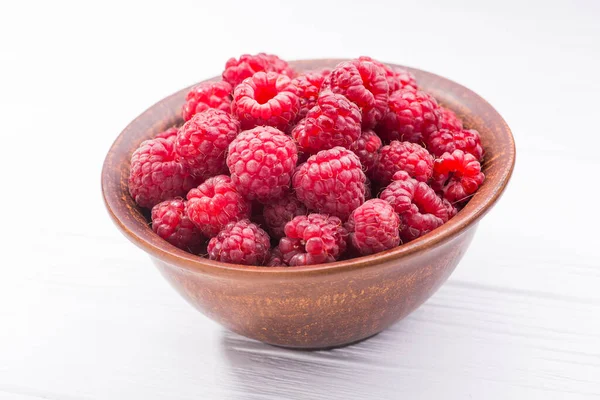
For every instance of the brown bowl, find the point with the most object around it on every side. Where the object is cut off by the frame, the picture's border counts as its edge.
(324, 305)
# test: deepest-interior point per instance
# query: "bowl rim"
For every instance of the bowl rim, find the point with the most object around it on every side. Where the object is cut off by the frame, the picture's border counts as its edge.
(134, 229)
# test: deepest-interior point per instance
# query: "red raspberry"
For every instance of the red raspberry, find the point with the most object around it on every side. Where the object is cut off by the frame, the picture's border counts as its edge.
(446, 141)
(419, 208)
(366, 147)
(374, 227)
(156, 174)
(309, 85)
(368, 190)
(215, 203)
(331, 182)
(203, 140)
(397, 78)
(266, 99)
(403, 156)
(170, 222)
(207, 95)
(412, 117)
(261, 162)
(457, 176)
(449, 120)
(238, 70)
(313, 239)
(279, 212)
(168, 134)
(241, 242)
(334, 121)
(364, 84)
(276, 259)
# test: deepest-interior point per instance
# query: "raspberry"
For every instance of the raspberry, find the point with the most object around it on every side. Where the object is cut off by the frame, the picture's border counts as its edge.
(457, 176)
(261, 162)
(313, 239)
(397, 78)
(241, 242)
(203, 140)
(170, 222)
(309, 85)
(276, 259)
(238, 70)
(364, 84)
(331, 182)
(403, 156)
(333, 121)
(368, 190)
(280, 212)
(449, 120)
(215, 203)
(366, 147)
(419, 208)
(207, 95)
(156, 174)
(412, 117)
(374, 227)
(266, 99)
(446, 141)
(168, 134)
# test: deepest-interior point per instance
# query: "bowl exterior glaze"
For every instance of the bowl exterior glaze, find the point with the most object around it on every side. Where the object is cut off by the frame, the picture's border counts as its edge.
(331, 304)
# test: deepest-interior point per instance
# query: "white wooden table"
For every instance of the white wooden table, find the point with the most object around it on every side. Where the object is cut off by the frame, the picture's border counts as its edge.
(84, 315)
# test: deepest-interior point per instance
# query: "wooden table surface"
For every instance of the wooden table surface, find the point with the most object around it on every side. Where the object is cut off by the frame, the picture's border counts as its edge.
(84, 314)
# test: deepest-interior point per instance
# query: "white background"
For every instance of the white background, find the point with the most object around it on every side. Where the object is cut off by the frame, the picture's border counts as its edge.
(84, 315)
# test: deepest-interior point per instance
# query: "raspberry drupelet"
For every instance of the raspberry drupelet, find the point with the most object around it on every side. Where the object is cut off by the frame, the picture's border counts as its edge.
(313, 239)
(419, 207)
(363, 83)
(446, 141)
(156, 173)
(411, 117)
(203, 141)
(261, 162)
(247, 65)
(333, 121)
(215, 203)
(457, 176)
(266, 99)
(331, 182)
(308, 86)
(279, 212)
(241, 242)
(170, 222)
(403, 156)
(373, 227)
(207, 95)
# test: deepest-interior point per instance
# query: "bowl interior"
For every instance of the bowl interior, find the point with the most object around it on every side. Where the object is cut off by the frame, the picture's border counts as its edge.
(476, 113)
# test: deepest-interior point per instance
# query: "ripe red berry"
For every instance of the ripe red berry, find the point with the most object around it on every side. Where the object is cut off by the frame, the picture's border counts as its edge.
(419, 208)
(215, 203)
(247, 65)
(366, 147)
(374, 227)
(207, 95)
(308, 86)
(449, 120)
(279, 212)
(276, 259)
(331, 182)
(170, 222)
(457, 176)
(397, 78)
(403, 156)
(446, 141)
(364, 84)
(241, 242)
(313, 239)
(156, 174)
(168, 134)
(333, 121)
(261, 161)
(203, 141)
(411, 117)
(266, 99)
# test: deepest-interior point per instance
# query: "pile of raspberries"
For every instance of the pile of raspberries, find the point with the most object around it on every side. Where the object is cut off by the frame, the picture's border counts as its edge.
(274, 167)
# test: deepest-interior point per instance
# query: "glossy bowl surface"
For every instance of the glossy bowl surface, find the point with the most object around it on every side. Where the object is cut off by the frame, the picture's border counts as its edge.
(325, 305)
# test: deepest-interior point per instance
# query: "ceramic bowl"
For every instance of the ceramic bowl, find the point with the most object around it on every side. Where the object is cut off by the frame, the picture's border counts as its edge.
(326, 305)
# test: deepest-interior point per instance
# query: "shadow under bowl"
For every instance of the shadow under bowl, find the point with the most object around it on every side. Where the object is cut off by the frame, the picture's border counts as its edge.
(326, 305)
